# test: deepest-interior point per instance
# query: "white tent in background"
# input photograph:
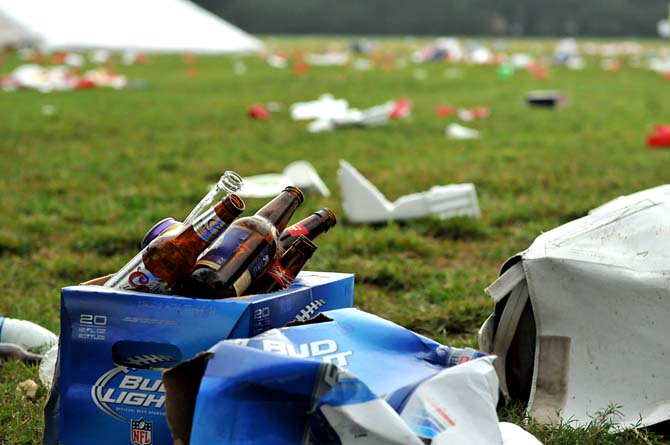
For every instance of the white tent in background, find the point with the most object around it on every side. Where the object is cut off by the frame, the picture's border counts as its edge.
(169, 26)
(12, 34)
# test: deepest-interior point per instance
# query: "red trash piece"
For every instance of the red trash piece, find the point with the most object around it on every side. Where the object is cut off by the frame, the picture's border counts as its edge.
(259, 112)
(84, 84)
(481, 112)
(660, 136)
(444, 110)
(401, 108)
(301, 68)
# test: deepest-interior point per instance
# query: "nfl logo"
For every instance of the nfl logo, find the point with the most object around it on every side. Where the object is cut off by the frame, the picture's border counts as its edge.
(140, 432)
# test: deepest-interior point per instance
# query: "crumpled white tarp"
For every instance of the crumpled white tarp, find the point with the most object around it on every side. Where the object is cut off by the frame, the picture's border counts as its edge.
(600, 293)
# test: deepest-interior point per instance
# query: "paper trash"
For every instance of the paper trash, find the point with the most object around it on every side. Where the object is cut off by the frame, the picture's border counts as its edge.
(364, 203)
(299, 173)
(456, 131)
(581, 316)
(346, 377)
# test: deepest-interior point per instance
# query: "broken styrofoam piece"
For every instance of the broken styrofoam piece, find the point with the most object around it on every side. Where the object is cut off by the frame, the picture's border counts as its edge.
(577, 297)
(305, 177)
(456, 131)
(325, 107)
(299, 173)
(364, 203)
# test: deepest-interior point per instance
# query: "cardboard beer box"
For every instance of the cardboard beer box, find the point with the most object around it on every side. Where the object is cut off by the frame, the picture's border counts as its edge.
(344, 376)
(114, 345)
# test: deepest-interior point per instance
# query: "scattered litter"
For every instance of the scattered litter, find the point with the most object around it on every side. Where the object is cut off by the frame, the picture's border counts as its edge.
(364, 203)
(27, 388)
(329, 113)
(611, 65)
(61, 78)
(521, 60)
(660, 137)
(299, 173)
(545, 98)
(26, 334)
(328, 59)
(277, 61)
(477, 113)
(456, 131)
(444, 111)
(362, 65)
(10, 351)
(506, 71)
(300, 69)
(325, 107)
(259, 112)
(239, 68)
(48, 110)
(578, 296)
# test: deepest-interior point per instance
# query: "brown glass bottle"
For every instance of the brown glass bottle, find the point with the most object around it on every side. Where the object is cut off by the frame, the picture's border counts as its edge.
(283, 272)
(311, 227)
(245, 251)
(171, 256)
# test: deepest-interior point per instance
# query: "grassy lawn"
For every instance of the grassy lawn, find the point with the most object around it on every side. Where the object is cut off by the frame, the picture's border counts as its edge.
(79, 188)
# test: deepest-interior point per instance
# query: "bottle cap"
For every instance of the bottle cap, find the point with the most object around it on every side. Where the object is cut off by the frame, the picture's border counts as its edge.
(158, 228)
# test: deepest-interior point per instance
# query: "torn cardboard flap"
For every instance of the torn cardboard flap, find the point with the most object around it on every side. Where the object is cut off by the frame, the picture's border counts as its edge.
(181, 388)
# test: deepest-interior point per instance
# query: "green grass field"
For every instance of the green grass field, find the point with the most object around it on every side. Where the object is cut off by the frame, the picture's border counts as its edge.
(79, 188)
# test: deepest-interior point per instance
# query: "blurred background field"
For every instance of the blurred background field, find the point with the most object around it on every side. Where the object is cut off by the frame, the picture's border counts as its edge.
(80, 187)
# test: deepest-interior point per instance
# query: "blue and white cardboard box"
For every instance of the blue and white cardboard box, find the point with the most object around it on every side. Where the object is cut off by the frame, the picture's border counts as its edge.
(114, 345)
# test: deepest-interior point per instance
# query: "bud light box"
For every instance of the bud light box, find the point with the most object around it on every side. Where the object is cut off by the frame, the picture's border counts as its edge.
(344, 376)
(114, 345)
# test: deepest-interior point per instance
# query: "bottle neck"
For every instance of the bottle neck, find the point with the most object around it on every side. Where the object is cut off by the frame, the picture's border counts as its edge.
(280, 210)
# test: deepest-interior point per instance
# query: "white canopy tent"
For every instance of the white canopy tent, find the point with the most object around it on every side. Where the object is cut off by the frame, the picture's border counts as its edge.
(168, 26)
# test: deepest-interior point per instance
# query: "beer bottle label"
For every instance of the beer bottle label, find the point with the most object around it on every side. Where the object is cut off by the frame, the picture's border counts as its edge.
(138, 278)
(253, 271)
(208, 226)
(217, 257)
(282, 276)
(297, 230)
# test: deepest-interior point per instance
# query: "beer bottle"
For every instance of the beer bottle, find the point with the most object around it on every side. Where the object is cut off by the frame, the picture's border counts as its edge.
(311, 227)
(161, 227)
(244, 251)
(283, 272)
(171, 256)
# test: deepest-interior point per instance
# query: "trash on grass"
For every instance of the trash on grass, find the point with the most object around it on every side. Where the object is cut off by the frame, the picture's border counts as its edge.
(472, 114)
(545, 98)
(299, 173)
(660, 137)
(329, 113)
(26, 334)
(456, 131)
(364, 203)
(259, 112)
(27, 388)
(328, 368)
(15, 352)
(569, 305)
